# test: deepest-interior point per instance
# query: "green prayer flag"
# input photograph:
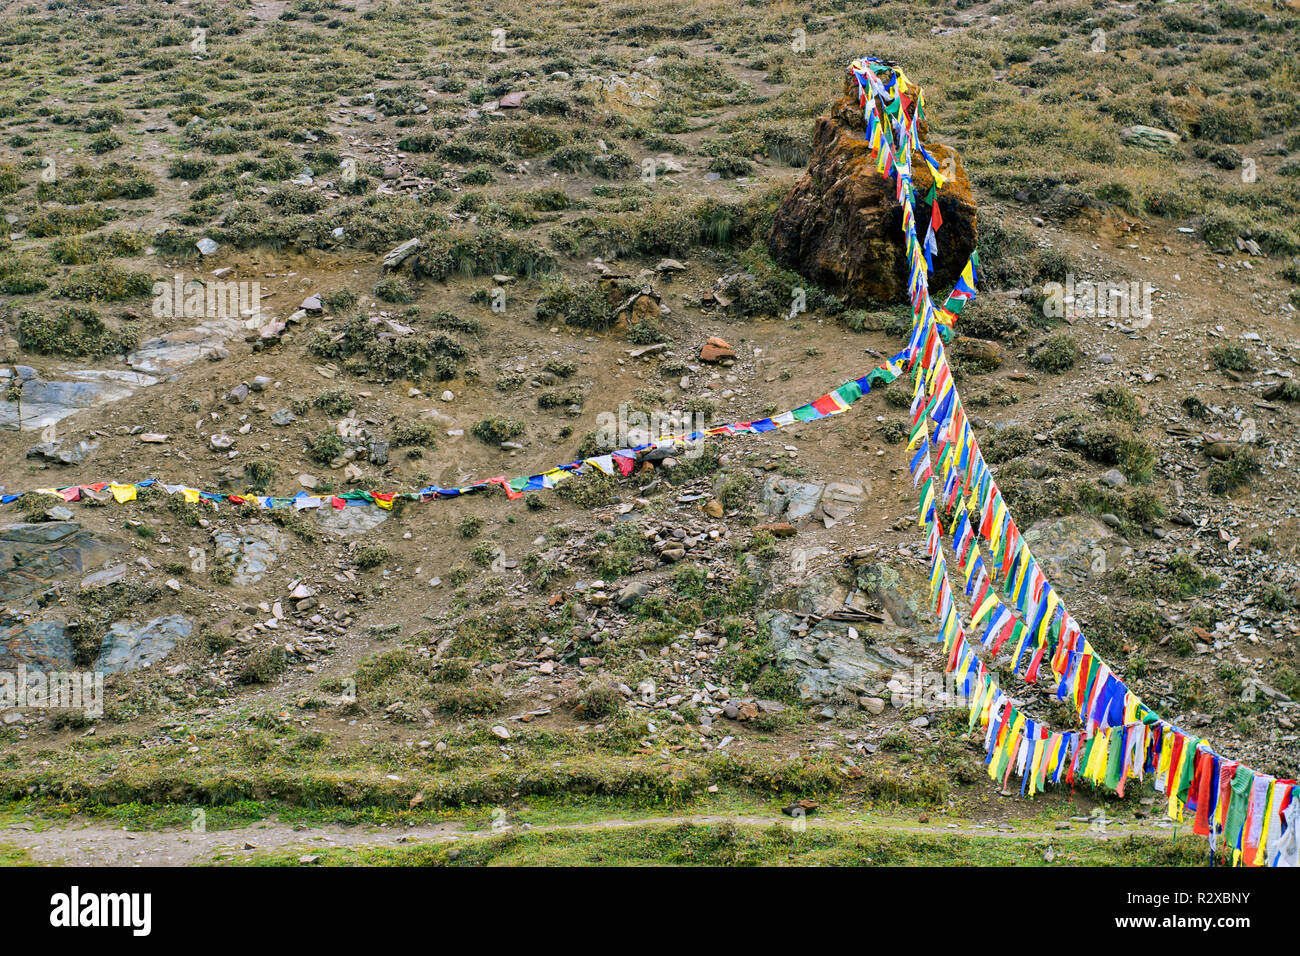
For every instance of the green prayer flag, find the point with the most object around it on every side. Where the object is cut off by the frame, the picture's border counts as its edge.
(1115, 758)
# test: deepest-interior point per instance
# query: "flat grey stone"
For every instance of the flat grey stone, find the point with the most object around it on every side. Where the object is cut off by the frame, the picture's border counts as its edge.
(109, 575)
(56, 453)
(43, 532)
(355, 519)
(254, 550)
(46, 402)
(1075, 548)
(39, 644)
(129, 646)
(173, 351)
(785, 497)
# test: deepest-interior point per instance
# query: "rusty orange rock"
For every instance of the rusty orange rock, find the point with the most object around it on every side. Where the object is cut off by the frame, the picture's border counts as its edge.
(841, 225)
(716, 350)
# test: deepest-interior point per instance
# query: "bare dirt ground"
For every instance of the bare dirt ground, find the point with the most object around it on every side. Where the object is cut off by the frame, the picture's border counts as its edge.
(101, 846)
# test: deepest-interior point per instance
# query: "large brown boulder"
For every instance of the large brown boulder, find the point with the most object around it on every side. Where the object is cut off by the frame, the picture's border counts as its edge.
(841, 226)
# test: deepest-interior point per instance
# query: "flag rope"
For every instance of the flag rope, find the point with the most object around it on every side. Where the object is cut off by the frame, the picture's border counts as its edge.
(1248, 814)
(618, 462)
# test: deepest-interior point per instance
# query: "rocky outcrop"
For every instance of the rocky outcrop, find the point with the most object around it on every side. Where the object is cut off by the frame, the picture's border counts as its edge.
(835, 663)
(356, 519)
(795, 501)
(841, 226)
(129, 646)
(1075, 550)
(843, 639)
(46, 402)
(251, 551)
(1148, 137)
(35, 557)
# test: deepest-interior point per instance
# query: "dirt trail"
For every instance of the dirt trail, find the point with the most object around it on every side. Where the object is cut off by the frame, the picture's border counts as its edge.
(97, 845)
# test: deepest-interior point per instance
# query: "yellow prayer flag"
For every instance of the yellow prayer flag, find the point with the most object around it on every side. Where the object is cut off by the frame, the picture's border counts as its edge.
(989, 603)
(122, 493)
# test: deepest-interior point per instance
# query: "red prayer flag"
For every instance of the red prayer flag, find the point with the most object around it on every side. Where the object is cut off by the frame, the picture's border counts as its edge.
(826, 405)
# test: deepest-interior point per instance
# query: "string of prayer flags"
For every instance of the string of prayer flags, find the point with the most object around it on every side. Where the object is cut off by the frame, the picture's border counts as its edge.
(618, 462)
(1250, 816)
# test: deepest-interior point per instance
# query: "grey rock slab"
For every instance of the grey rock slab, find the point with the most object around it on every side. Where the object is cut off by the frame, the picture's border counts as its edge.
(39, 644)
(41, 532)
(397, 256)
(56, 453)
(34, 557)
(1149, 137)
(820, 594)
(46, 402)
(632, 593)
(794, 500)
(254, 550)
(1075, 548)
(129, 646)
(839, 500)
(173, 351)
(1114, 479)
(901, 591)
(833, 661)
(354, 519)
(802, 500)
(104, 576)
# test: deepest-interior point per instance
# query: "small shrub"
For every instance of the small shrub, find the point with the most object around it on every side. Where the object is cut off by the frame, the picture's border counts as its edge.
(1109, 445)
(339, 301)
(1119, 402)
(105, 283)
(335, 402)
(494, 431)
(414, 434)
(599, 702)
(394, 290)
(560, 368)
(73, 331)
(365, 350)
(646, 332)
(263, 665)
(371, 557)
(105, 142)
(584, 305)
(730, 167)
(1055, 354)
(183, 167)
(1225, 477)
(259, 473)
(326, 447)
(1230, 358)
